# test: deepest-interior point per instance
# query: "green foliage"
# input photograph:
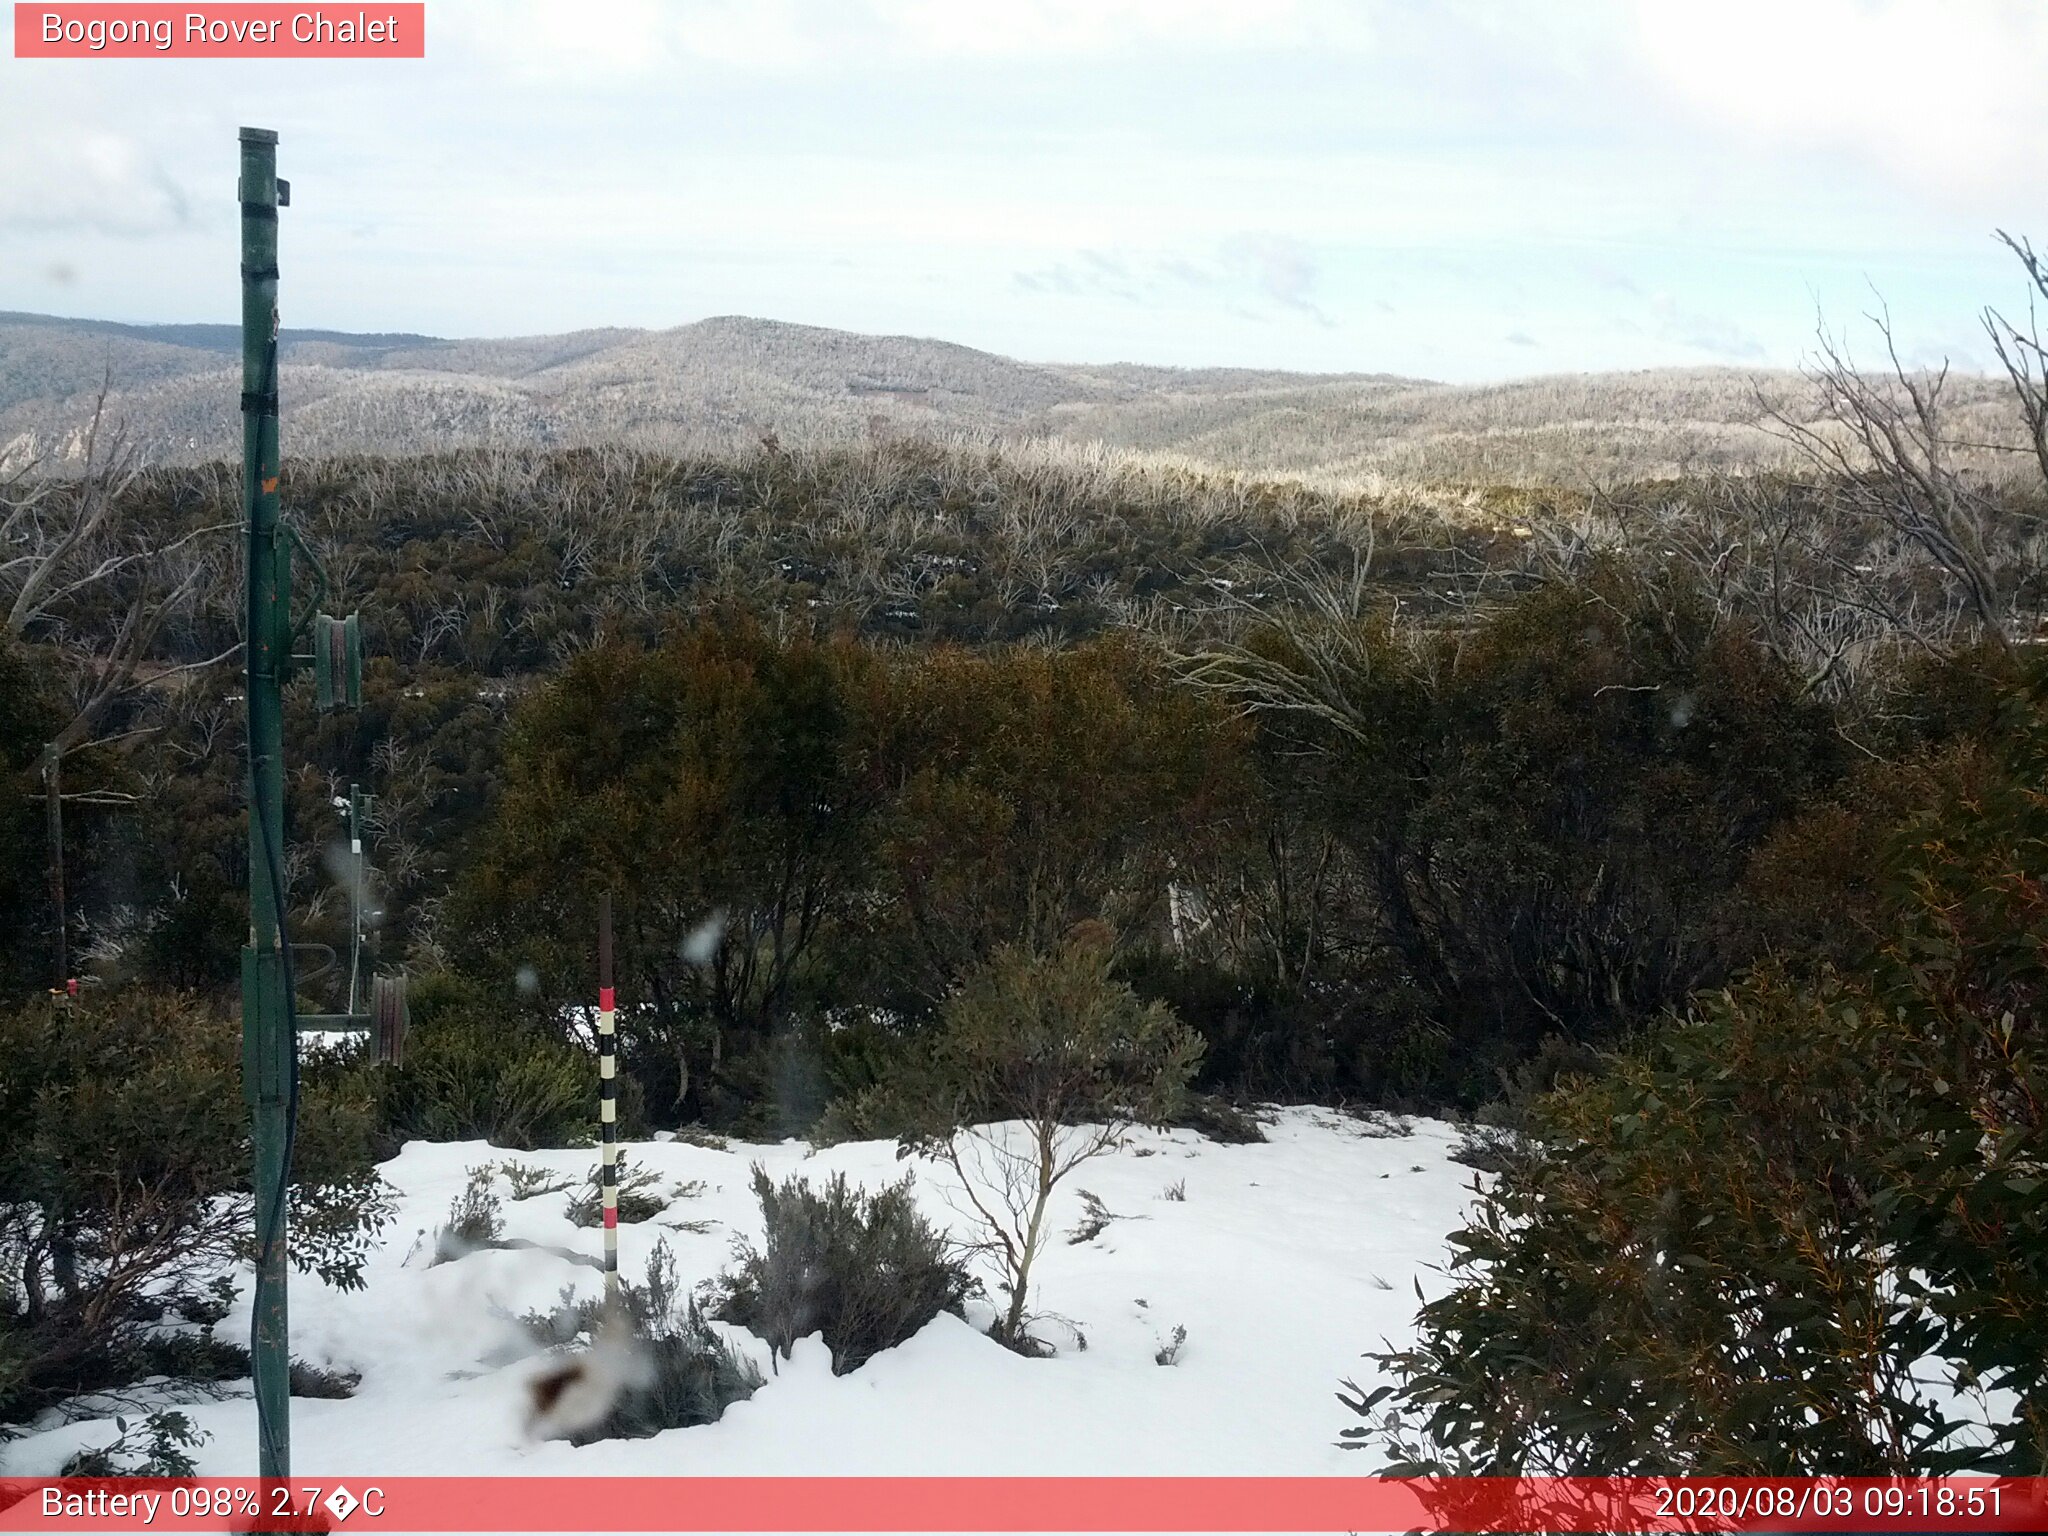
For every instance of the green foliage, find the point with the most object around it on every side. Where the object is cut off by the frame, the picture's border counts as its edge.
(1039, 1063)
(1731, 1251)
(124, 1181)
(479, 1070)
(864, 1270)
(1966, 978)
(1817, 892)
(28, 718)
(783, 1085)
(679, 1372)
(714, 780)
(1688, 1279)
(1039, 789)
(476, 1219)
(860, 831)
(1523, 841)
(1545, 813)
(638, 1197)
(1049, 1039)
(160, 1446)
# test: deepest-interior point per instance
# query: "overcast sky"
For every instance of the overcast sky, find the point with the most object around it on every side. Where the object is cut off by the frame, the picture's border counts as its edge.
(1445, 188)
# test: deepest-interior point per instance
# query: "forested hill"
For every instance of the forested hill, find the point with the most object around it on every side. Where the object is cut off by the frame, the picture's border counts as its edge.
(732, 380)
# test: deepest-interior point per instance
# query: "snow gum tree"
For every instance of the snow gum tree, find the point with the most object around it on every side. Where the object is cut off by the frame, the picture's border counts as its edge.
(1039, 1063)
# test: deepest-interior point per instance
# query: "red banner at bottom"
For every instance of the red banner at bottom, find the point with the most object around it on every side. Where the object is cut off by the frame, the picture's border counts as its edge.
(1025, 1504)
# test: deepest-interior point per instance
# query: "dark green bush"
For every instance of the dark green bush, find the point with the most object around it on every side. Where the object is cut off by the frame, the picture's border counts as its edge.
(716, 778)
(477, 1070)
(28, 718)
(1528, 825)
(476, 1218)
(1732, 1251)
(866, 1271)
(678, 1371)
(1694, 1235)
(640, 1197)
(160, 1445)
(124, 1197)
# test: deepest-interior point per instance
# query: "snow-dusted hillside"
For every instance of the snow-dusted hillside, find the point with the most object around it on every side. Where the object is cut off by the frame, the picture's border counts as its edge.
(1284, 1262)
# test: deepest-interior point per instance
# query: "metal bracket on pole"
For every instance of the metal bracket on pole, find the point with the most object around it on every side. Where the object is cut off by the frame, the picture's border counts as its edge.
(337, 663)
(389, 1017)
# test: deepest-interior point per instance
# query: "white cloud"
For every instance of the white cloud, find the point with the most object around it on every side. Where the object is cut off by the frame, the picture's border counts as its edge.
(1711, 334)
(615, 39)
(1056, 28)
(1943, 96)
(98, 180)
(1329, 183)
(1282, 269)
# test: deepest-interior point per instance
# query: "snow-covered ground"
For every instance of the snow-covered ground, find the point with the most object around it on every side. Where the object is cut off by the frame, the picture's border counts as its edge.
(1285, 1262)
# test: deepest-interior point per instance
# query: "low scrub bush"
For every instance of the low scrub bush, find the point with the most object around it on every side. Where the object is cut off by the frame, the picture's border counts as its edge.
(528, 1180)
(160, 1445)
(662, 1364)
(1219, 1120)
(476, 1219)
(639, 1196)
(1039, 1064)
(864, 1270)
(476, 1072)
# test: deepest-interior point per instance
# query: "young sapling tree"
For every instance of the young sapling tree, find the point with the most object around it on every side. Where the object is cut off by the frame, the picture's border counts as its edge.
(1040, 1063)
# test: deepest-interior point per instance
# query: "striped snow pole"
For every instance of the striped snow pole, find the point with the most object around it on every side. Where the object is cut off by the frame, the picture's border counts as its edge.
(608, 1100)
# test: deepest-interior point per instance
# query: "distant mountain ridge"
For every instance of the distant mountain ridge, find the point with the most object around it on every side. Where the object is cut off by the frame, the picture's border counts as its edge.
(730, 379)
(208, 337)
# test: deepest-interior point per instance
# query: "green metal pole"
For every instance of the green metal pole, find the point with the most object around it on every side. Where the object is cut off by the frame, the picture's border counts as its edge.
(269, 1040)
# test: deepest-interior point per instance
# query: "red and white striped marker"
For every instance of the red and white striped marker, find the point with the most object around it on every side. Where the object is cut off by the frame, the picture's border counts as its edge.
(607, 1100)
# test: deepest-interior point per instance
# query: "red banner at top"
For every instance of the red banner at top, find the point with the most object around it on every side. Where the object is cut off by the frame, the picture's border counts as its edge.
(219, 32)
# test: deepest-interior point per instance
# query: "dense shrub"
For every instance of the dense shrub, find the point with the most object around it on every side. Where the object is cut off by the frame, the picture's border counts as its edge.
(1543, 815)
(478, 1070)
(1695, 1235)
(785, 687)
(864, 1270)
(782, 1086)
(1964, 977)
(124, 1178)
(1815, 893)
(28, 718)
(1037, 789)
(714, 780)
(667, 1366)
(795, 828)
(1823, 1183)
